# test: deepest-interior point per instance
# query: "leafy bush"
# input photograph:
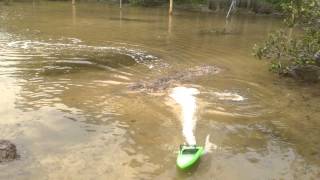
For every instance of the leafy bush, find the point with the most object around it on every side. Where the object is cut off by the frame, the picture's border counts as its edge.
(147, 2)
(286, 50)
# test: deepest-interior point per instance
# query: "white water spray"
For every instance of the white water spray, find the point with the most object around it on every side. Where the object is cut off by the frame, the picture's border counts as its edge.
(228, 96)
(185, 97)
(209, 146)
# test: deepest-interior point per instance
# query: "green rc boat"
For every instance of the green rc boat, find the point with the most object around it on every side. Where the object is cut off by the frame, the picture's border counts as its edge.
(189, 155)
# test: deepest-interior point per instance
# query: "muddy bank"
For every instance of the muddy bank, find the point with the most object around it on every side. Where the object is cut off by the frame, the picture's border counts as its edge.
(306, 73)
(242, 6)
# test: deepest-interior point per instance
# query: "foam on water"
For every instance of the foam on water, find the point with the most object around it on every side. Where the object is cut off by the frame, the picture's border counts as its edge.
(209, 146)
(228, 96)
(140, 56)
(185, 97)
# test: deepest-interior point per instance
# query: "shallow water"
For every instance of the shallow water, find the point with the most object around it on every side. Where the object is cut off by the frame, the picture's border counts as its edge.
(64, 78)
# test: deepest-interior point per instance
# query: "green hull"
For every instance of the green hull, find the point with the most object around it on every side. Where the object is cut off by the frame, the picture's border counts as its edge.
(188, 156)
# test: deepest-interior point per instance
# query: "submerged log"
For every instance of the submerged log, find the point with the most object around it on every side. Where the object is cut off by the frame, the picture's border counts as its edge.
(8, 151)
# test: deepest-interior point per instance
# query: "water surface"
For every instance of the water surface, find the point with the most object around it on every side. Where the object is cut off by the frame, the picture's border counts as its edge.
(64, 78)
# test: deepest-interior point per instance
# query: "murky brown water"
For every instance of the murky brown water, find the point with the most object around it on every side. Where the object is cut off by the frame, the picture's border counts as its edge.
(65, 101)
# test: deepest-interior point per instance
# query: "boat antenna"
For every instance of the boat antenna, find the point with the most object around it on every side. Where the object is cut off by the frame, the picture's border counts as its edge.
(232, 6)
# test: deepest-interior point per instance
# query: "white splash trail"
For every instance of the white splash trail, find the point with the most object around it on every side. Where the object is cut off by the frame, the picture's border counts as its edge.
(185, 97)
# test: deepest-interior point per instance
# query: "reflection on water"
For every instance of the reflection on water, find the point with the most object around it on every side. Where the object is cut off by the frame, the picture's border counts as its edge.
(65, 74)
(74, 15)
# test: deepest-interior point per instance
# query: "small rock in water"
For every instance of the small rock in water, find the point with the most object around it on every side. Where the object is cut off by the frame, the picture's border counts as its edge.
(8, 151)
(307, 73)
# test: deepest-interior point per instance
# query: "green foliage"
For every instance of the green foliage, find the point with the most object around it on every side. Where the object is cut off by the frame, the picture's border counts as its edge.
(282, 48)
(302, 12)
(190, 1)
(276, 3)
(285, 51)
(147, 2)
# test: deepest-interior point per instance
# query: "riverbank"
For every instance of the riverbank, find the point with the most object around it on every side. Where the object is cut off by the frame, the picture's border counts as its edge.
(210, 6)
(251, 6)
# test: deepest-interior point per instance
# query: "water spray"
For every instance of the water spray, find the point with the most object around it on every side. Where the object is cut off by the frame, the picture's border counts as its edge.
(189, 154)
(185, 97)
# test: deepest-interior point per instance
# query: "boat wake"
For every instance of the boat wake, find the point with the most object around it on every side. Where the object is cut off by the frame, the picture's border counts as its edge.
(72, 48)
(185, 97)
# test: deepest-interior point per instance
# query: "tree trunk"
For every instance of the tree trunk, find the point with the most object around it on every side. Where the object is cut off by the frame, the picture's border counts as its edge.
(248, 4)
(170, 7)
(218, 5)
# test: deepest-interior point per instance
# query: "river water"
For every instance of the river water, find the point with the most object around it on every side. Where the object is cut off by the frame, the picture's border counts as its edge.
(66, 101)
